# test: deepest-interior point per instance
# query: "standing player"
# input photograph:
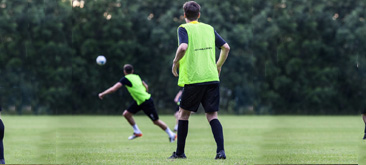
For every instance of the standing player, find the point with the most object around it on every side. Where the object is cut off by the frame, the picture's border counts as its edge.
(199, 75)
(176, 114)
(364, 120)
(143, 101)
(2, 128)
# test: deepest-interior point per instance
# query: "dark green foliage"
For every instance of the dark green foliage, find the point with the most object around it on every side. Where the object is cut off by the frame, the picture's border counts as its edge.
(287, 57)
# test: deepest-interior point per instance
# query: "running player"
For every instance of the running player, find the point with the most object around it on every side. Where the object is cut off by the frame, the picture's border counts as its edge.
(142, 101)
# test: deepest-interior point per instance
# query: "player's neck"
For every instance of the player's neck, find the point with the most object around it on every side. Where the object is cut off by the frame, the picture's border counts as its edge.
(189, 21)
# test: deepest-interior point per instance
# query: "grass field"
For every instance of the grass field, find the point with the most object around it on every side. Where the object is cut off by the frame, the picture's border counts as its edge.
(248, 140)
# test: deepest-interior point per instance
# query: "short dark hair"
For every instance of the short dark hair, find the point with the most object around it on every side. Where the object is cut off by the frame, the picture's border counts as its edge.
(128, 68)
(192, 10)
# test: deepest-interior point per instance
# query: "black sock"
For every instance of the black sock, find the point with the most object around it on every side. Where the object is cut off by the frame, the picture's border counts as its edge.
(218, 134)
(182, 135)
(365, 128)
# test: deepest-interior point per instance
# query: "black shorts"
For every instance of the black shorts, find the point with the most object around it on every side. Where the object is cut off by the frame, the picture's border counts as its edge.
(148, 108)
(194, 94)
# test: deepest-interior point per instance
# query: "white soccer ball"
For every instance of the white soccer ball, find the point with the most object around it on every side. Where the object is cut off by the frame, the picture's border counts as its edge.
(101, 60)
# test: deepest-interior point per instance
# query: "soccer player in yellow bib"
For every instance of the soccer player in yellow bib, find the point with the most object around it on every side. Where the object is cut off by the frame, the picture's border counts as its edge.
(143, 101)
(199, 75)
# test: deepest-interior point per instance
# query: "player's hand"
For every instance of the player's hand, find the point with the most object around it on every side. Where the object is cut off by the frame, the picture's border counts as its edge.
(101, 96)
(175, 69)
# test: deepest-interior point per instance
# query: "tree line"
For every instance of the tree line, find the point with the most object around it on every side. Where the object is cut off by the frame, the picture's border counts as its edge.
(287, 57)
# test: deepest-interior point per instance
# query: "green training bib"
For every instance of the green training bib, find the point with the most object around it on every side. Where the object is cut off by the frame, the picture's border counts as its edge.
(138, 90)
(198, 65)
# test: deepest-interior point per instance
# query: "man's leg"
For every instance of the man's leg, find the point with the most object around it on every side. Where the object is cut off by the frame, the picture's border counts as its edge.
(210, 103)
(129, 118)
(182, 134)
(190, 101)
(148, 108)
(136, 131)
(160, 124)
(163, 126)
(182, 130)
(217, 133)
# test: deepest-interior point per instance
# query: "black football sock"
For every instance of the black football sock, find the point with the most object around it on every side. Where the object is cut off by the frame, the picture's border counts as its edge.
(182, 135)
(218, 134)
(365, 128)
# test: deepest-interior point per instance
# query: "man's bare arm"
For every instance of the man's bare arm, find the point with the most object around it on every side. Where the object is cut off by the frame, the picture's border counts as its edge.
(223, 56)
(112, 89)
(181, 50)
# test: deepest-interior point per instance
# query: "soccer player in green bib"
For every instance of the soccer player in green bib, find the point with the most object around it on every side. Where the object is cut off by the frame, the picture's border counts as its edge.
(142, 101)
(199, 75)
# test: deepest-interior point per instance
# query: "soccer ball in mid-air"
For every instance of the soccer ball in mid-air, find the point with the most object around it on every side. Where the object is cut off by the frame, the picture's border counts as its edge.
(101, 60)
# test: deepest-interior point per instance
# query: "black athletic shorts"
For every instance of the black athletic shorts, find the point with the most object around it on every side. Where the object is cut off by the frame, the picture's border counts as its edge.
(194, 94)
(148, 108)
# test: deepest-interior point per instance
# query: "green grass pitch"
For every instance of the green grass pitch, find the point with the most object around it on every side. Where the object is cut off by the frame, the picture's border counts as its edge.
(248, 140)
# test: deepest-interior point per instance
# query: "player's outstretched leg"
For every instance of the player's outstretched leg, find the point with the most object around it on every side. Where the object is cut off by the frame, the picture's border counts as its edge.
(136, 131)
(163, 126)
